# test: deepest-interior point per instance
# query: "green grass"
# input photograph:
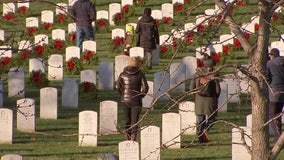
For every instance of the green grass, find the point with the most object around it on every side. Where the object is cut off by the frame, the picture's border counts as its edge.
(58, 139)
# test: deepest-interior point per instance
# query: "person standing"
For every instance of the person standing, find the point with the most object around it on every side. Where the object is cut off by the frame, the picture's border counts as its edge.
(84, 13)
(147, 35)
(132, 87)
(208, 89)
(275, 75)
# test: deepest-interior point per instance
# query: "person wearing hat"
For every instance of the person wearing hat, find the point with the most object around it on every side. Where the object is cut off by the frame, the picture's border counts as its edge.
(206, 90)
(132, 87)
(147, 35)
(275, 76)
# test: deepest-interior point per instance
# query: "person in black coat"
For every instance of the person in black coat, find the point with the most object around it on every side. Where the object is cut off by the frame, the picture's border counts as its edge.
(275, 75)
(84, 13)
(132, 87)
(147, 35)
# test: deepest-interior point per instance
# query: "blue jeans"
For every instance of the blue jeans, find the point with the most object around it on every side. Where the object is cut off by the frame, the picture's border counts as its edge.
(81, 32)
(275, 108)
(203, 125)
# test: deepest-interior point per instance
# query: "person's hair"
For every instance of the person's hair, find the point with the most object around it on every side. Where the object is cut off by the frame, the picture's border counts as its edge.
(274, 52)
(132, 61)
(147, 11)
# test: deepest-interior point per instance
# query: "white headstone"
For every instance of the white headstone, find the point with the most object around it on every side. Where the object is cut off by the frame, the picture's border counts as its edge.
(89, 45)
(70, 91)
(72, 51)
(88, 76)
(55, 67)
(177, 76)
(171, 129)
(26, 115)
(102, 14)
(178, 1)
(32, 22)
(128, 150)
(200, 51)
(178, 33)
(239, 151)
(8, 7)
(36, 64)
(150, 143)
(48, 103)
(108, 117)
(190, 63)
(226, 39)
(249, 121)
(167, 10)
(136, 52)
(23, 3)
(126, 2)
(201, 20)
(113, 9)
(106, 76)
(16, 82)
(61, 8)
(222, 101)
(248, 27)
(25, 45)
(5, 51)
(233, 88)
(71, 28)
(121, 61)
(88, 126)
(117, 32)
(156, 14)
(47, 16)
(12, 157)
(165, 39)
(188, 117)
(58, 34)
(210, 12)
(2, 35)
(161, 84)
(6, 126)
(148, 99)
(41, 39)
(190, 27)
(216, 47)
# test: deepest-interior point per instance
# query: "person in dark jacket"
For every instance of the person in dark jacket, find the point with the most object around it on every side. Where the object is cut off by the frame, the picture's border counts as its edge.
(147, 35)
(206, 97)
(84, 13)
(275, 75)
(132, 87)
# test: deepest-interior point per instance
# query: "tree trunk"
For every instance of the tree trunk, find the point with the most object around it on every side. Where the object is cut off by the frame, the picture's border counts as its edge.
(258, 59)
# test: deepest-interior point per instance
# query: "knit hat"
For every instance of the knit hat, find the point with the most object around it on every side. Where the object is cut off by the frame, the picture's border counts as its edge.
(147, 11)
(132, 61)
(274, 52)
(208, 61)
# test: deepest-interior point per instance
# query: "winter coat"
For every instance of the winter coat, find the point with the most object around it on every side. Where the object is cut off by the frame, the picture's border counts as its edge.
(147, 33)
(83, 12)
(132, 85)
(275, 75)
(205, 105)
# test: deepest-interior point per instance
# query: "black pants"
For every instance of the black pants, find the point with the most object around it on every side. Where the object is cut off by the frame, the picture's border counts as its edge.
(132, 111)
(275, 108)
